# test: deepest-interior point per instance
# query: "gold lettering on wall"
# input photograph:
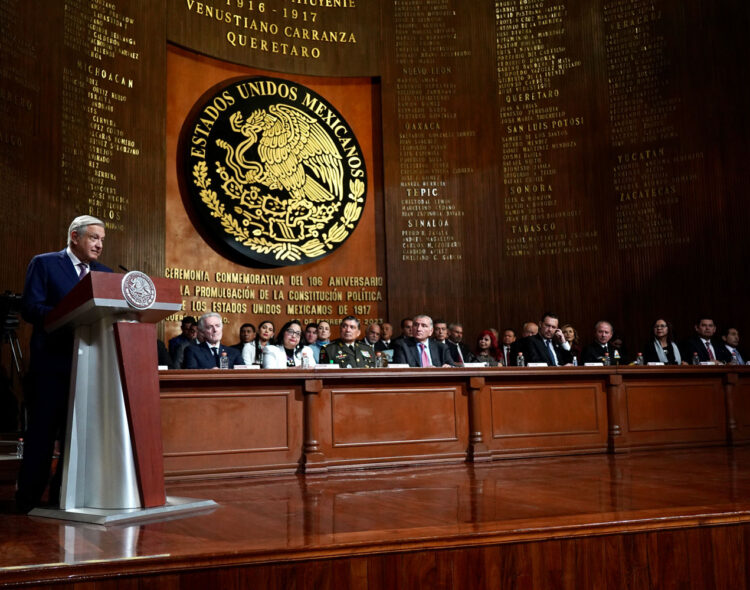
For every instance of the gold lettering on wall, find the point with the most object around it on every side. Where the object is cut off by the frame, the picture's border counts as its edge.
(239, 295)
(19, 100)
(539, 130)
(302, 29)
(100, 40)
(650, 172)
(429, 53)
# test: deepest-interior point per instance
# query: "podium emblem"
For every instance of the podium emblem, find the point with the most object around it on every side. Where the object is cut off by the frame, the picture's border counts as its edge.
(138, 289)
(270, 173)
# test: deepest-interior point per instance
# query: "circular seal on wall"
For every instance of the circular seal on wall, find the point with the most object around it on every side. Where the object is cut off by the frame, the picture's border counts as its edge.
(138, 289)
(270, 173)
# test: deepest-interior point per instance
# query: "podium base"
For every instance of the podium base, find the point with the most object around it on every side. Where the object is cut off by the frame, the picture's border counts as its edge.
(175, 507)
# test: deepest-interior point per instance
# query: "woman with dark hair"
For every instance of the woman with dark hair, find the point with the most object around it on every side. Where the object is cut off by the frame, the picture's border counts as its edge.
(571, 337)
(487, 349)
(289, 350)
(662, 349)
(252, 352)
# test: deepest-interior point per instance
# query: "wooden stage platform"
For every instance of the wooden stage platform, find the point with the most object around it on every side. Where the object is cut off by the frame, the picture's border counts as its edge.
(673, 518)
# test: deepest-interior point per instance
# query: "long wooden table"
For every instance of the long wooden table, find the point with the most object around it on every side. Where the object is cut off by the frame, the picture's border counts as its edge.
(242, 422)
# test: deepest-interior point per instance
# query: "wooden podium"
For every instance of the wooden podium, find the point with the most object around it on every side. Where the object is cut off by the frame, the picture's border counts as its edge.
(114, 468)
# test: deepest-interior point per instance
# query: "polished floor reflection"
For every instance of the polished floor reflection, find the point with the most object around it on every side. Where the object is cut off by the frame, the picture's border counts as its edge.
(299, 517)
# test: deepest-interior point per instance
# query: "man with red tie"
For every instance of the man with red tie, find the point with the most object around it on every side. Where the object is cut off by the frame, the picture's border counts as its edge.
(49, 278)
(420, 350)
(704, 344)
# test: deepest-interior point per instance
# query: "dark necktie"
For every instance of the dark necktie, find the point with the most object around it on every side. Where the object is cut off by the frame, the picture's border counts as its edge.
(550, 353)
(711, 356)
(83, 270)
(216, 355)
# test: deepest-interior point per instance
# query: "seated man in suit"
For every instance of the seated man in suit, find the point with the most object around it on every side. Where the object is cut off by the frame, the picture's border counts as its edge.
(528, 329)
(420, 350)
(208, 353)
(184, 338)
(601, 347)
(346, 352)
(406, 326)
(372, 335)
(703, 343)
(548, 345)
(460, 353)
(386, 333)
(731, 338)
(441, 331)
(49, 278)
(509, 338)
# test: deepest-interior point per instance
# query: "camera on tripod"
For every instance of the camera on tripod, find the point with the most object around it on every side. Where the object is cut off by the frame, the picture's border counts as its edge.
(10, 307)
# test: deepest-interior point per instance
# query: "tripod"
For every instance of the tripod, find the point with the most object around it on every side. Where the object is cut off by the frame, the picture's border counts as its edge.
(10, 321)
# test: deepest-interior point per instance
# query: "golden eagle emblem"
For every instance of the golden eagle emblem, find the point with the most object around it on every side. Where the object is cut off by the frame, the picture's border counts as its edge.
(288, 191)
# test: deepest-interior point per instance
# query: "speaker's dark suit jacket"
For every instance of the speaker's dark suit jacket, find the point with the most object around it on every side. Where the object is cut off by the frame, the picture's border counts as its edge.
(535, 350)
(405, 351)
(695, 344)
(199, 356)
(49, 278)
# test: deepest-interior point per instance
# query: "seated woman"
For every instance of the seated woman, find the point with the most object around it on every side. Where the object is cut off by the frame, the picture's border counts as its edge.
(487, 349)
(571, 337)
(252, 352)
(662, 349)
(289, 349)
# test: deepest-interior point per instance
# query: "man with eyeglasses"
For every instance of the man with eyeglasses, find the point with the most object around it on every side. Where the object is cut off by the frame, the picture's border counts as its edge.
(207, 354)
(346, 352)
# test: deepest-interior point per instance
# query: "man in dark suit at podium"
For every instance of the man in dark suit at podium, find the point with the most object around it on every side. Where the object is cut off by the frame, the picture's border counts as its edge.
(208, 353)
(49, 278)
(420, 350)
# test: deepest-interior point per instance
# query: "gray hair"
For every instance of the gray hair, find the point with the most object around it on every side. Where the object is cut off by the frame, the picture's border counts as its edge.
(422, 316)
(80, 223)
(205, 316)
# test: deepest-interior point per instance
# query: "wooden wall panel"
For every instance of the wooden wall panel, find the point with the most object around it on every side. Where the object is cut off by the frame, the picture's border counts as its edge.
(545, 417)
(402, 423)
(675, 412)
(386, 416)
(233, 430)
(741, 399)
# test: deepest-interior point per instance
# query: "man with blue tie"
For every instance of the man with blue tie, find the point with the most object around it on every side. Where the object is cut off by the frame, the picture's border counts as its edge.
(419, 350)
(49, 278)
(731, 338)
(207, 354)
(548, 345)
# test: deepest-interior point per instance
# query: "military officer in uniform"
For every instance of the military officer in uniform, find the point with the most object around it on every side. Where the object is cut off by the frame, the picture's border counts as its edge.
(346, 352)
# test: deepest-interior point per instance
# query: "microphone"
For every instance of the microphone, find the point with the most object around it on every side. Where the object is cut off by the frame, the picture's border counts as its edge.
(120, 266)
